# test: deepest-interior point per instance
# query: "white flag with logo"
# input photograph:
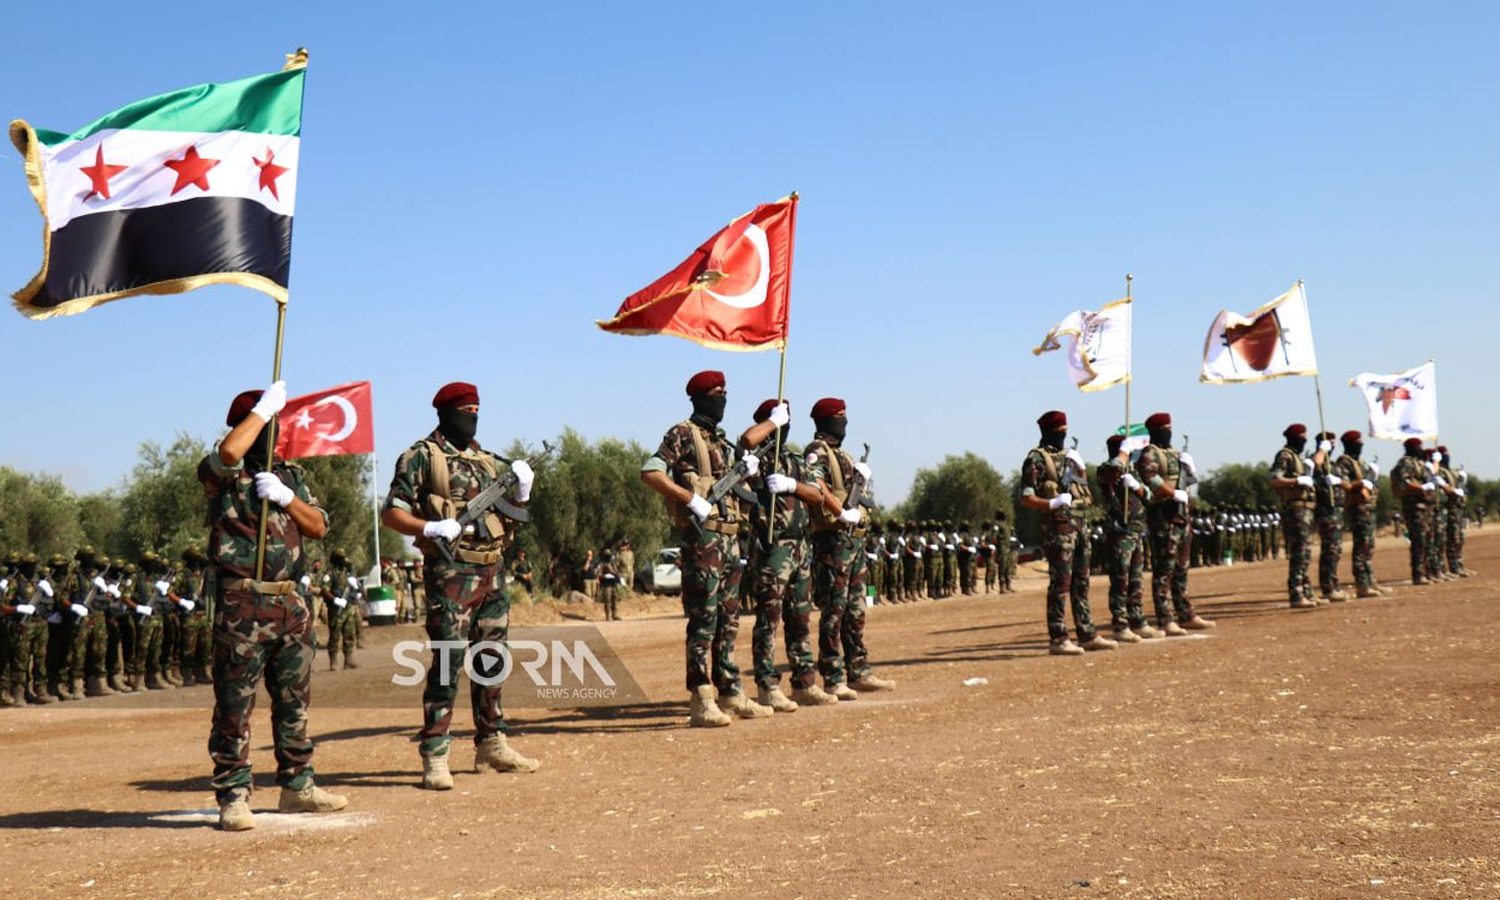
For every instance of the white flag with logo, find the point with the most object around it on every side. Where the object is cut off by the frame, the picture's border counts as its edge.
(1098, 345)
(1273, 342)
(1403, 405)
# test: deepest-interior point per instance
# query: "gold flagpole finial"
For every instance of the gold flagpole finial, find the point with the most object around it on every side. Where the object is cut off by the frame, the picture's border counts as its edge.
(297, 60)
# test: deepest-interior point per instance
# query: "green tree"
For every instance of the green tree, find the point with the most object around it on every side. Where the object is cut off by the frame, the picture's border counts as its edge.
(1245, 485)
(341, 485)
(37, 513)
(102, 519)
(961, 488)
(162, 507)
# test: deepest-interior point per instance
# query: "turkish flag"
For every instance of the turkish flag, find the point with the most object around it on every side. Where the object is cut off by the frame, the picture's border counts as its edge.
(732, 294)
(334, 422)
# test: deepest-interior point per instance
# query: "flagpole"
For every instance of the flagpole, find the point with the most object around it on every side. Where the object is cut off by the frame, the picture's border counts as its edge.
(265, 504)
(781, 388)
(375, 508)
(1129, 353)
(1317, 381)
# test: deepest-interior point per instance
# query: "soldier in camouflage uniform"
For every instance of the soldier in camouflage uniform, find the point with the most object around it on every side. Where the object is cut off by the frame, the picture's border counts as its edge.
(60, 628)
(694, 455)
(149, 604)
(874, 562)
(1456, 490)
(1167, 474)
(911, 563)
(90, 636)
(1005, 549)
(261, 628)
(467, 600)
(341, 599)
(782, 577)
(890, 554)
(1054, 483)
(838, 564)
(609, 585)
(189, 606)
(1123, 498)
(1359, 510)
(950, 559)
(310, 588)
(1293, 481)
(1328, 515)
(968, 559)
(932, 559)
(1414, 487)
(25, 612)
(988, 557)
(7, 577)
(119, 624)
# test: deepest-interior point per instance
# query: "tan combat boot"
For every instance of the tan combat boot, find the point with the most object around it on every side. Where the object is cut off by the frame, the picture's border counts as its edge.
(60, 691)
(349, 662)
(333, 662)
(1065, 647)
(117, 684)
(841, 691)
(7, 698)
(774, 698)
(704, 712)
(75, 687)
(154, 682)
(435, 773)
(1172, 629)
(235, 815)
(1146, 632)
(495, 755)
(1098, 642)
(310, 799)
(737, 704)
(1304, 603)
(867, 683)
(201, 673)
(97, 688)
(171, 676)
(40, 696)
(1198, 623)
(812, 695)
(1336, 595)
(1126, 636)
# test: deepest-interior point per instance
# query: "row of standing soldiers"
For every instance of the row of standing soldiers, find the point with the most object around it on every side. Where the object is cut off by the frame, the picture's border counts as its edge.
(933, 560)
(1236, 534)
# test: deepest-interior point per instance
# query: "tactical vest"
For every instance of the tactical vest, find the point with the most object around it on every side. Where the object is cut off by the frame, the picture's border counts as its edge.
(723, 521)
(1357, 496)
(822, 519)
(1296, 494)
(440, 503)
(1168, 467)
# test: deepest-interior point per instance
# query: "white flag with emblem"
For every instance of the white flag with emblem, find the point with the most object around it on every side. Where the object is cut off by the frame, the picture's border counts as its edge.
(1273, 342)
(1403, 405)
(1098, 345)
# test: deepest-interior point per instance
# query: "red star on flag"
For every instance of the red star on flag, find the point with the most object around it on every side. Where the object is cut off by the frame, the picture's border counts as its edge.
(100, 173)
(191, 169)
(269, 172)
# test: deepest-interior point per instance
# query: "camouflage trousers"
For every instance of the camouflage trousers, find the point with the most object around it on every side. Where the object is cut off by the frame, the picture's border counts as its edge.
(1453, 540)
(1437, 524)
(782, 591)
(120, 642)
(934, 567)
(60, 647)
(28, 652)
(341, 633)
(609, 595)
(711, 598)
(1007, 570)
(90, 643)
(1362, 527)
(991, 575)
(1124, 559)
(1169, 563)
(911, 575)
(147, 655)
(1330, 549)
(839, 594)
(1067, 578)
(195, 648)
(1297, 526)
(258, 637)
(950, 574)
(892, 589)
(1415, 516)
(171, 638)
(967, 569)
(465, 603)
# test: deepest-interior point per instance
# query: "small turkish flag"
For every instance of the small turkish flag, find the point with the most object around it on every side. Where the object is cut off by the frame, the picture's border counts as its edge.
(733, 293)
(334, 422)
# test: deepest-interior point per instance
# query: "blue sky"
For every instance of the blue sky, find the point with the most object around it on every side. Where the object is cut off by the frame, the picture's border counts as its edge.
(480, 182)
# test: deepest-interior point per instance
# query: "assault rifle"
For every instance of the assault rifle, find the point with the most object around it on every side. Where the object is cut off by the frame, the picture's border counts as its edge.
(88, 598)
(858, 487)
(471, 521)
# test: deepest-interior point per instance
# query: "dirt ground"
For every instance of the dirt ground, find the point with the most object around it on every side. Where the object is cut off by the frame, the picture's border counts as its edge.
(1349, 751)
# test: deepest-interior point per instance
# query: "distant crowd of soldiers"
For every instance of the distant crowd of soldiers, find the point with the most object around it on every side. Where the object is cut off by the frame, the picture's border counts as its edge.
(931, 560)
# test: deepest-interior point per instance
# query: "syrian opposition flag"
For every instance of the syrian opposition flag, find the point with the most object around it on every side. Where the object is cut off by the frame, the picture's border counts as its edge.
(1403, 405)
(335, 422)
(731, 294)
(168, 194)
(1098, 345)
(1273, 342)
(1135, 439)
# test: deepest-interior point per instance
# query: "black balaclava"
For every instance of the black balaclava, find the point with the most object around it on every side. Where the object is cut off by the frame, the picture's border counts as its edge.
(1054, 439)
(1352, 450)
(708, 410)
(1298, 442)
(1415, 451)
(1161, 437)
(255, 457)
(834, 427)
(457, 426)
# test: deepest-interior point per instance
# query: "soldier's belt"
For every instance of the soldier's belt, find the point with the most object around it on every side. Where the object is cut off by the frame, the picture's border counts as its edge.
(478, 557)
(719, 526)
(265, 588)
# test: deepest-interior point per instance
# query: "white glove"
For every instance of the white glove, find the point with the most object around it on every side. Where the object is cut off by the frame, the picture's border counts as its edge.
(1333, 480)
(1374, 470)
(114, 591)
(699, 508)
(1061, 501)
(4, 585)
(1441, 481)
(871, 557)
(852, 516)
(1325, 446)
(1305, 480)
(25, 609)
(271, 401)
(781, 484)
(1369, 485)
(525, 478)
(162, 587)
(99, 583)
(305, 581)
(781, 414)
(752, 465)
(45, 587)
(144, 609)
(1180, 495)
(187, 605)
(863, 470)
(79, 610)
(1131, 482)
(1460, 492)
(1428, 486)
(1432, 467)
(1077, 459)
(447, 529)
(269, 487)
(340, 602)
(353, 582)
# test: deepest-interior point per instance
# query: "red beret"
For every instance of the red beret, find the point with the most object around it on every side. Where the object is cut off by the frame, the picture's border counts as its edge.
(1113, 442)
(241, 407)
(455, 393)
(1158, 420)
(699, 385)
(827, 408)
(763, 412)
(1443, 450)
(1412, 443)
(1052, 420)
(1296, 429)
(1352, 437)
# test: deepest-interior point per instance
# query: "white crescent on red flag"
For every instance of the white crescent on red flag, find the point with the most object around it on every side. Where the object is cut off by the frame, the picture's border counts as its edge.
(733, 293)
(335, 422)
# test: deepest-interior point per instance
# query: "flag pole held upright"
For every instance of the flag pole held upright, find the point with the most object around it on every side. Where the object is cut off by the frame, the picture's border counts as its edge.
(1317, 382)
(781, 377)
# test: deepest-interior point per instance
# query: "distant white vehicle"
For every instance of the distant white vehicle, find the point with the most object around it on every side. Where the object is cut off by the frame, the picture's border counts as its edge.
(663, 577)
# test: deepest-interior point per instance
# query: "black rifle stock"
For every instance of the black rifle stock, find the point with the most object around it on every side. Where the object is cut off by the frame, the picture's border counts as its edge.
(492, 497)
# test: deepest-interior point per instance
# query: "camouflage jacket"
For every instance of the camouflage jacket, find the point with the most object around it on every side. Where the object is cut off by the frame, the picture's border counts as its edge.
(1329, 498)
(1290, 464)
(469, 472)
(1157, 466)
(822, 459)
(1407, 479)
(234, 520)
(1120, 514)
(1042, 475)
(677, 456)
(1454, 501)
(1355, 471)
(337, 584)
(792, 517)
(81, 582)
